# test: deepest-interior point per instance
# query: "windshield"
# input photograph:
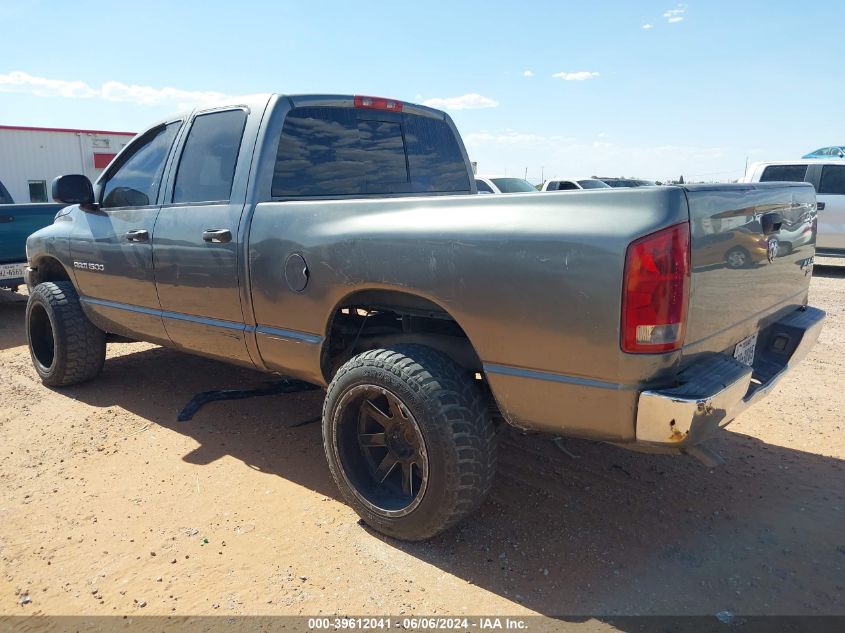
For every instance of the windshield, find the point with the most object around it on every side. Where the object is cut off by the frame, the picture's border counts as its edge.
(589, 183)
(513, 185)
(5, 198)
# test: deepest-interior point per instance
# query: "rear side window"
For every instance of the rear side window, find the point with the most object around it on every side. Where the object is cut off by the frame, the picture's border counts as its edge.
(207, 167)
(483, 186)
(341, 151)
(136, 181)
(833, 180)
(563, 185)
(784, 173)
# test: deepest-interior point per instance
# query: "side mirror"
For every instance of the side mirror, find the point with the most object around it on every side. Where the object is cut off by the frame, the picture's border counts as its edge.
(73, 189)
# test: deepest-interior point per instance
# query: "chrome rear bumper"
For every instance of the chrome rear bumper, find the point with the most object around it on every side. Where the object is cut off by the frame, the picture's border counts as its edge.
(714, 391)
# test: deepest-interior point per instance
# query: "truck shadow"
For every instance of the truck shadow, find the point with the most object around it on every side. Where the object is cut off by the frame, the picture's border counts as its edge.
(826, 270)
(605, 532)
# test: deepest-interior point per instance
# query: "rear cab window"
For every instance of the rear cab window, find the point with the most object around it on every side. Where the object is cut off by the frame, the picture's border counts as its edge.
(344, 151)
(784, 173)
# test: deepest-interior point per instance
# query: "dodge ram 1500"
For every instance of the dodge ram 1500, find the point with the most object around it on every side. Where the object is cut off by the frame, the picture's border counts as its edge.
(331, 239)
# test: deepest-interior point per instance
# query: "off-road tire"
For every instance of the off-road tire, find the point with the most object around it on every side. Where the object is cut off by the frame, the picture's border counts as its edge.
(452, 416)
(65, 347)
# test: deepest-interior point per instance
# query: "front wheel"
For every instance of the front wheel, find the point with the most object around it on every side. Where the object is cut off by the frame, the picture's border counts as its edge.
(66, 348)
(409, 440)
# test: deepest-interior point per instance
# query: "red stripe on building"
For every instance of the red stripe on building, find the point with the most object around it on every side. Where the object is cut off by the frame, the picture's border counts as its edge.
(62, 129)
(102, 161)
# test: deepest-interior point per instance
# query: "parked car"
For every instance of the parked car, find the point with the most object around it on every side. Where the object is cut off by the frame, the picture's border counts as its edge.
(503, 184)
(572, 184)
(837, 151)
(828, 177)
(17, 221)
(353, 259)
(626, 182)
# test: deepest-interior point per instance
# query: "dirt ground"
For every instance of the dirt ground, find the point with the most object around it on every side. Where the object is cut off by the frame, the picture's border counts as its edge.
(109, 505)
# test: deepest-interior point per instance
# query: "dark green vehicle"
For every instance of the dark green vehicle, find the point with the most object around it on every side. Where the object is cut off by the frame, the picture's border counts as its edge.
(333, 239)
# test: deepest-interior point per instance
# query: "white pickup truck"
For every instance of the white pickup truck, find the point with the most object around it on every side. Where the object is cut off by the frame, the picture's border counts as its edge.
(828, 177)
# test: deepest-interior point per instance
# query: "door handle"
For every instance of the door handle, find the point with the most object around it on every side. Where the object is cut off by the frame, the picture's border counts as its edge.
(819, 206)
(5, 219)
(217, 236)
(138, 235)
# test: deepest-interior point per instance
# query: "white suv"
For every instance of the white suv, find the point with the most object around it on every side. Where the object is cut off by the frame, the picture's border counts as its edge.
(828, 177)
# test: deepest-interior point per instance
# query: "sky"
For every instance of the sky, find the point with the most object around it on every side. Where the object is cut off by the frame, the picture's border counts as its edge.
(568, 89)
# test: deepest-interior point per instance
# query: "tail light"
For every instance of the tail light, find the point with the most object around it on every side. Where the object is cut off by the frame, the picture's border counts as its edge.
(656, 291)
(378, 103)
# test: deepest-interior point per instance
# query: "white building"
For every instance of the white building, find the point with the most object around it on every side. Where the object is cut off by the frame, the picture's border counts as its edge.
(30, 157)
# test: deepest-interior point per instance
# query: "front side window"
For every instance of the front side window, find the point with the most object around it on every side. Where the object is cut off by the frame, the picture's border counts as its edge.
(784, 173)
(330, 151)
(136, 180)
(207, 166)
(833, 180)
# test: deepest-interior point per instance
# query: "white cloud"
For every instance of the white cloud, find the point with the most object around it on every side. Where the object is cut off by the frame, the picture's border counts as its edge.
(528, 73)
(675, 15)
(648, 26)
(580, 75)
(21, 82)
(469, 101)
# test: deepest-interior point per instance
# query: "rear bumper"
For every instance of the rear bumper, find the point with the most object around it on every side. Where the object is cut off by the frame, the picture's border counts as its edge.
(716, 390)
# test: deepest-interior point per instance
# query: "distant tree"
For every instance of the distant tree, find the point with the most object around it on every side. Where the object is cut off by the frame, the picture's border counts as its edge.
(681, 180)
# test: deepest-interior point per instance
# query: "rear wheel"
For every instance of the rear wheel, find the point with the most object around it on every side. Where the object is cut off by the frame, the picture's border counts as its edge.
(409, 440)
(66, 348)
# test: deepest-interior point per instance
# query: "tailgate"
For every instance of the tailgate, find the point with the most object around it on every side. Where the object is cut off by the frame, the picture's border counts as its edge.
(746, 273)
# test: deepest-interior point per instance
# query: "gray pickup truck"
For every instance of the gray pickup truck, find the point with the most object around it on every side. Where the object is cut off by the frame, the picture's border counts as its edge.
(331, 239)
